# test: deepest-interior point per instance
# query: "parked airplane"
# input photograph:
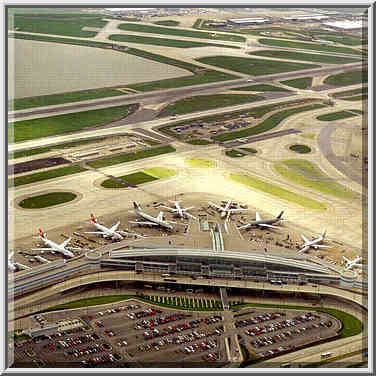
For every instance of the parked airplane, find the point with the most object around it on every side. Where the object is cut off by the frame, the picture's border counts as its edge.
(150, 220)
(181, 212)
(13, 267)
(54, 247)
(351, 263)
(109, 233)
(42, 259)
(263, 222)
(313, 243)
(226, 210)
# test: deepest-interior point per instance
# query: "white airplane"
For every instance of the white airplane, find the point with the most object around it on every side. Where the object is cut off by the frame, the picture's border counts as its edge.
(313, 243)
(109, 233)
(181, 212)
(263, 222)
(42, 259)
(351, 263)
(54, 247)
(150, 220)
(226, 210)
(13, 267)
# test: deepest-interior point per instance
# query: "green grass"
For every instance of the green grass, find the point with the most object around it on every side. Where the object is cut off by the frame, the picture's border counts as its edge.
(362, 97)
(254, 67)
(47, 200)
(349, 41)
(200, 162)
(199, 142)
(333, 359)
(302, 149)
(44, 175)
(315, 58)
(268, 124)
(197, 23)
(299, 83)
(347, 78)
(167, 23)
(163, 41)
(277, 191)
(207, 102)
(307, 174)
(261, 88)
(54, 125)
(235, 154)
(67, 24)
(135, 178)
(362, 90)
(131, 156)
(309, 136)
(335, 116)
(179, 32)
(307, 46)
(249, 150)
(160, 172)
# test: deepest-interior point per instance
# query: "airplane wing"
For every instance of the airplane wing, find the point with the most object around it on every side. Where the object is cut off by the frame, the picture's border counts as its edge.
(346, 259)
(244, 226)
(258, 217)
(189, 208)
(115, 226)
(167, 208)
(237, 210)
(160, 216)
(216, 206)
(265, 225)
(42, 249)
(189, 215)
(303, 249)
(304, 238)
(65, 242)
(95, 232)
(321, 246)
(144, 223)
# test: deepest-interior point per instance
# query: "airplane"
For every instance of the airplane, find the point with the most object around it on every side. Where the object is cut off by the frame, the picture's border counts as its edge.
(181, 212)
(13, 267)
(54, 247)
(263, 222)
(351, 263)
(150, 220)
(313, 243)
(42, 259)
(109, 233)
(226, 210)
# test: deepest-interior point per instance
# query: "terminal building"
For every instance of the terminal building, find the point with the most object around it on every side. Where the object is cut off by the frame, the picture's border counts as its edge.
(249, 21)
(306, 18)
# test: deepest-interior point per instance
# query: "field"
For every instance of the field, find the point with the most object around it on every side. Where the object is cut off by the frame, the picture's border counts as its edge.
(59, 124)
(163, 41)
(277, 191)
(60, 24)
(309, 136)
(261, 88)
(135, 178)
(308, 46)
(347, 78)
(207, 102)
(44, 175)
(335, 116)
(307, 174)
(182, 33)
(362, 90)
(235, 153)
(268, 124)
(362, 97)
(302, 149)
(131, 156)
(299, 83)
(199, 142)
(315, 58)
(254, 67)
(200, 162)
(160, 172)
(47, 200)
(249, 150)
(167, 23)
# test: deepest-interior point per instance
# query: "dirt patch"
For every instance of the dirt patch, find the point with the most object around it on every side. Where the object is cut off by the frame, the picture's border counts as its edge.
(35, 164)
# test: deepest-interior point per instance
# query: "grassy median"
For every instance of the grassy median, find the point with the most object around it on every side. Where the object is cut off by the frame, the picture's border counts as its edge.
(336, 116)
(47, 200)
(299, 83)
(347, 78)
(200, 162)
(261, 88)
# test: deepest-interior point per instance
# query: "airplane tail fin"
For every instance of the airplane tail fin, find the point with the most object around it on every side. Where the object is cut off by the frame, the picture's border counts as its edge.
(42, 234)
(10, 255)
(136, 205)
(92, 218)
(280, 214)
(324, 234)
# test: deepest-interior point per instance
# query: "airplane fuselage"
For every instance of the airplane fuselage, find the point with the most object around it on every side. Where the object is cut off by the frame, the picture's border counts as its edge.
(57, 247)
(107, 232)
(154, 219)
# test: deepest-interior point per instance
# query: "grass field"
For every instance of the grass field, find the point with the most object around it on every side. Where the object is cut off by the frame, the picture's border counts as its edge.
(308, 46)
(254, 67)
(44, 175)
(179, 32)
(362, 97)
(131, 156)
(135, 178)
(249, 150)
(59, 124)
(200, 162)
(315, 58)
(163, 41)
(235, 153)
(307, 174)
(268, 124)
(207, 102)
(47, 200)
(302, 149)
(349, 41)
(167, 23)
(336, 116)
(362, 90)
(160, 172)
(277, 191)
(347, 78)
(261, 88)
(59, 24)
(309, 136)
(199, 142)
(299, 83)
